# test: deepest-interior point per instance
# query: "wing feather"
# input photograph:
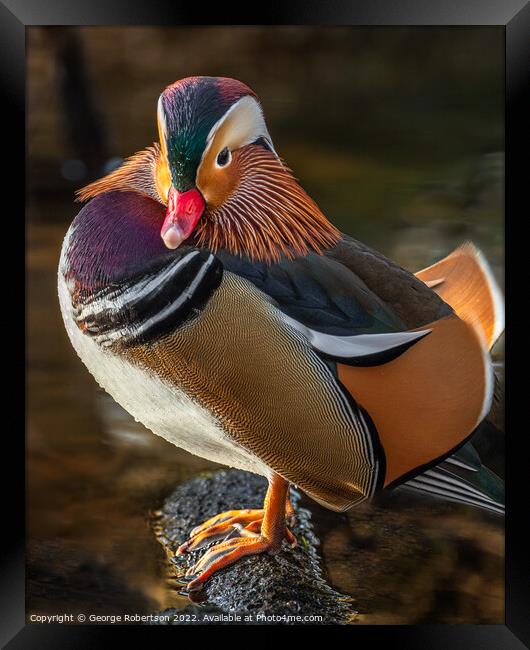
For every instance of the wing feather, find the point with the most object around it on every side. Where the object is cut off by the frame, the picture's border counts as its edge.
(464, 280)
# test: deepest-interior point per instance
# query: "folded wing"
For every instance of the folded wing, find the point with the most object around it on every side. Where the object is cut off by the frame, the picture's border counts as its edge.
(465, 281)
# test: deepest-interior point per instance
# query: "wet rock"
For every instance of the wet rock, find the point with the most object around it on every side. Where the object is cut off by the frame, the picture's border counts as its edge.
(284, 588)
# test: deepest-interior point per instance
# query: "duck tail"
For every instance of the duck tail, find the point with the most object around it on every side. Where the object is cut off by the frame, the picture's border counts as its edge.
(463, 479)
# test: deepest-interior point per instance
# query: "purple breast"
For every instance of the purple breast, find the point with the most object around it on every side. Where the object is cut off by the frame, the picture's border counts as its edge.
(113, 237)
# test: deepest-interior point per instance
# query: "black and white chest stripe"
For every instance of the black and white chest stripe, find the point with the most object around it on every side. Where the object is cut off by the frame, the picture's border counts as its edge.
(150, 303)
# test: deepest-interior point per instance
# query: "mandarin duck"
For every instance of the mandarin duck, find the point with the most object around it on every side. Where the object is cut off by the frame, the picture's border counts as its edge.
(211, 297)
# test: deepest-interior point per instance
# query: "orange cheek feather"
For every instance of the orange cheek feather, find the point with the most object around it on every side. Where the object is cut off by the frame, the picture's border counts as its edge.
(217, 183)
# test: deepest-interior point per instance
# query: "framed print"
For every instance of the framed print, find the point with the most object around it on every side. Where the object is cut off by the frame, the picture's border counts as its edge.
(265, 279)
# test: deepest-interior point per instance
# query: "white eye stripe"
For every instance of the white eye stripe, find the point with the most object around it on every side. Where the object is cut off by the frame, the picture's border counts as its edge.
(247, 127)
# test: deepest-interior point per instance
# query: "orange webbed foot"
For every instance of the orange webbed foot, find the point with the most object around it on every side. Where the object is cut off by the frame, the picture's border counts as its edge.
(225, 554)
(233, 523)
(219, 528)
(243, 532)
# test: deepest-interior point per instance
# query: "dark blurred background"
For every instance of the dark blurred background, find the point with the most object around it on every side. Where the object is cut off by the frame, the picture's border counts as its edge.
(398, 134)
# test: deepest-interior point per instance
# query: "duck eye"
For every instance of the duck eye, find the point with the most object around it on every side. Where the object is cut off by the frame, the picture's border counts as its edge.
(224, 157)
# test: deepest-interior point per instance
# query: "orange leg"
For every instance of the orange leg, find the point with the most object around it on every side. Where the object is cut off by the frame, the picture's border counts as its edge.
(272, 532)
(233, 523)
(289, 512)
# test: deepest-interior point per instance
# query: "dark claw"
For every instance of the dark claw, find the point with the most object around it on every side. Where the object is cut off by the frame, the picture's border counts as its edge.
(187, 579)
(182, 549)
(198, 596)
(186, 591)
(179, 582)
(191, 593)
(182, 581)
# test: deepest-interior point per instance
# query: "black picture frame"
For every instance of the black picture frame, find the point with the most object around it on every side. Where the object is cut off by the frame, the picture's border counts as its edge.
(514, 15)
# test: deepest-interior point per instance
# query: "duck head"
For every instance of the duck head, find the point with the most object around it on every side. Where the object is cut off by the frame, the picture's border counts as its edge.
(217, 172)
